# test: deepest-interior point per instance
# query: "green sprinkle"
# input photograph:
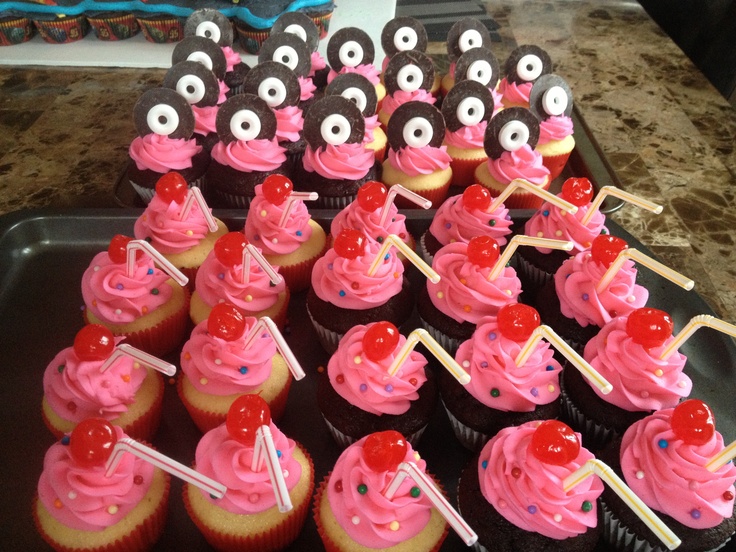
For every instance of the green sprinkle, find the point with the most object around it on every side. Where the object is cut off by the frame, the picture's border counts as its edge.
(362, 489)
(154, 291)
(495, 392)
(587, 506)
(415, 492)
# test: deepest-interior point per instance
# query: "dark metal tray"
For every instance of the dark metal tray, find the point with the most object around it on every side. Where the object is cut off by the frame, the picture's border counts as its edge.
(42, 257)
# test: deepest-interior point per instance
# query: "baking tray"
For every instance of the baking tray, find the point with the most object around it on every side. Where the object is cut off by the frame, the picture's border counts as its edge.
(42, 257)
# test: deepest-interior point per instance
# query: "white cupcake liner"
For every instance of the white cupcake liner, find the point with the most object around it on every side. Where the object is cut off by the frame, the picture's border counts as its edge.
(345, 441)
(427, 257)
(594, 434)
(327, 338)
(470, 438)
(448, 343)
(535, 275)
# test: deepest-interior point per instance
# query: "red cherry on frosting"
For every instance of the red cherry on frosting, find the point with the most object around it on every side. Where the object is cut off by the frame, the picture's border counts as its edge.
(276, 188)
(476, 196)
(380, 340)
(578, 191)
(372, 196)
(350, 243)
(554, 443)
(517, 321)
(245, 416)
(693, 422)
(118, 248)
(483, 251)
(229, 248)
(94, 342)
(384, 450)
(649, 327)
(92, 441)
(172, 187)
(606, 248)
(226, 322)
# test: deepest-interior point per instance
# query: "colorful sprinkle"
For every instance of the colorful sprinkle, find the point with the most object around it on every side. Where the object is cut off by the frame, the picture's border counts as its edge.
(640, 474)
(189, 233)
(218, 361)
(545, 213)
(254, 497)
(342, 293)
(125, 378)
(415, 492)
(338, 486)
(492, 222)
(662, 443)
(65, 440)
(248, 298)
(263, 213)
(631, 298)
(440, 295)
(387, 257)
(379, 239)
(329, 266)
(389, 388)
(534, 391)
(557, 518)
(357, 359)
(203, 381)
(532, 509)
(484, 464)
(243, 370)
(355, 520)
(695, 513)
(551, 388)
(516, 473)
(728, 495)
(502, 503)
(550, 368)
(495, 392)
(299, 233)
(362, 488)
(138, 480)
(397, 275)
(150, 271)
(187, 356)
(448, 225)
(355, 285)
(413, 381)
(60, 368)
(467, 308)
(586, 296)
(363, 387)
(118, 311)
(587, 506)
(644, 394)
(119, 286)
(659, 372)
(340, 378)
(72, 495)
(57, 503)
(394, 525)
(558, 233)
(278, 453)
(492, 336)
(221, 276)
(112, 509)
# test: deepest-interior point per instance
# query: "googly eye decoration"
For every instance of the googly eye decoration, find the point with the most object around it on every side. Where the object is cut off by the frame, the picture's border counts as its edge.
(409, 71)
(333, 120)
(356, 88)
(211, 24)
(467, 104)
(466, 34)
(274, 83)
(299, 24)
(192, 80)
(480, 65)
(415, 124)
(401, 34)
(349, 47)
(202, 50)
(164, 112)
(550, 97)
(288, 49)
(245, 117)
(526, 64)
(509, 130)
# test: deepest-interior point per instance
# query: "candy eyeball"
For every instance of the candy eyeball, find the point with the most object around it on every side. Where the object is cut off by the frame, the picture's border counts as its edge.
(415, 124)
(333, 120)
(210, 24)
(468, 103)
(194, 82)
(349, 47)
(550, 97)
(356, 88)
(164, 112)
(245, 117)
(510, 130)
(401, 34)
(202, 50)
(480, 65)
(288, 49)
(409, 71)
(527, 63)
(298, 24)
(274, 83)
(466, 34)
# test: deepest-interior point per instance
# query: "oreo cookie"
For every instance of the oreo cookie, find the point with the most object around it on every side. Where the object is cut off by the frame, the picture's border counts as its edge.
(356, 88)
(299, 24)
(510, 130)
(401, 34)
(467, 104)
(333, 120)
(550, 97)
(409, 71)
(202, 50)
(211, 24)
(288, 49)
(349, 47)
(164, 112)
(466, 34)
(245, 117)
(273, 82)
(526, 64)
(415, 124)
(193, 81)
(480, 65)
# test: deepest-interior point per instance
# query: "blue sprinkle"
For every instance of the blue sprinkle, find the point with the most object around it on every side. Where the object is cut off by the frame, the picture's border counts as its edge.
(389, 388)
(532, 509)
(545, 213)
(342, 293)
(586, 296)
(550, 368)
(662, 443)
(448, 225)
(534, 392)
(257, 237)
(695, 513)
(484, 364)
(243, 370)
(299, 233)
(492, 336)
(119, 286)
(567, 276)
(150, 271)
(65, 440)
(363, 387)
(221, 275)
(278, 453)
(387, 257)
(484, 464)
(329, 266)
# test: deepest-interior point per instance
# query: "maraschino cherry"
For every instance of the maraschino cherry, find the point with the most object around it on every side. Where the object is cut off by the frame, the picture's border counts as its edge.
(350, 243)
(246, 415)
(517, 321)
(276, 188)
(649, 327)
(172, 187)
(384, 450)
(229, 248)
(380, 340)
(554, 443)
(92, 441)
(226, 322)
(693, 422)
(483, 251)
(476, 196)
(578, 191)
(94, 342)
(372, 195)
(118, 248)
(606, 248)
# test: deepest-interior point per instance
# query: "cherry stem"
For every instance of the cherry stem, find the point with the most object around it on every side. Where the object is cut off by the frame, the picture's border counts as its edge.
(291, 201)
(519, 240)
(264, 451)
(620, 194)
(536, 190)
(251, 253)
(125, 350)
(165, 463)
(722, 458)
(689, 329)
(134, 245)
(266, 324)
(655, 266)
(394, 240)
(195, 194)
(421, 335)
(398, 189)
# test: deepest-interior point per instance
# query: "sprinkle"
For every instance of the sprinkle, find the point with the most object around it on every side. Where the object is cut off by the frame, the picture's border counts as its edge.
(502, 503)
(587, 506)
(150, 271)
(355, 285)
(340, 378)
(532, 509)
(243, 370)
(550, 368)
(534, 391)
(681, 384)
(136, 365)
(254, 497)
(558, 233)
(60, 368)
(203, 381)
(342, 293)
(693, 485)
(387, 257)
(187, 356)
(728, 495)
(440, 295)
(72, 495)
(509, 292)
(221, 275)
(125, 378)
(71, 406)
(119, 286)
(65, 440)
(484, 364)
(357, 359)
(413, 381)
(466, 364)
(389, 388)
(557, 518)
(394, 525)
(329, 266)
(495, 392)
(279, 453)
(484, 464)
(417, 456)
(603, 231)
(379, 239)
(448, 225)
(362, 488)
(189, 233)
(275, 241)
(363, 387)
(320, 369)
(516, 473)
(631, 299)
(492, 222)
(263, 213)
(112, 509)
(492, 336)
(467, 308)
(551, 388)
(397, 275)
(545, 213)
(57, 503)
(586, 296)
(402, 235)
(463, 281)
(118, 311)
(138, 480)
(355, 520)
(662, 443)
(299, 233)
(695, 513)
(415, 492)
(640, 474)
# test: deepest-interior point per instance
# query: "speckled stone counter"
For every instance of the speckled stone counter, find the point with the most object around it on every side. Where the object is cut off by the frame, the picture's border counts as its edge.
(665, 130)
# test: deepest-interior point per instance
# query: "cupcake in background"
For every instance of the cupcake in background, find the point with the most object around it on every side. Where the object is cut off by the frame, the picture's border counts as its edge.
(61, 29)
(305, 28)
(551, 101)
(15, 29)
(401, 34)
(291, 50)
(466, 34)
(160, 28)
(408, 77)
(351, 50)
(522, 68)
(113, 26)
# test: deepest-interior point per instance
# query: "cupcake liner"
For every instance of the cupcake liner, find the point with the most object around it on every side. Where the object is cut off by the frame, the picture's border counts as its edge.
(116, 27)
(344, 441)
(594, 434)
(327, 338)
(555, 163)
(16, 30)
(251, 39)
(427, 257)
(162, 30)
(337, 202)
(322, 20)
(299, 276)
(470, 438)
(448, 343)
(232, 200)
(463, 171)
(63, 30)
(536, 276)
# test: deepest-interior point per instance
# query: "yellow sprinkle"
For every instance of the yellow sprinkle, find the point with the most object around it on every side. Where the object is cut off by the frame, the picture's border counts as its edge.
(463, 281)
(189, 233)
(563, 213)
(551, 388)
(509, 292)
(540, 234)
(558, 233)
(440, 295)
(394, 525)
(187, 356)
(125, 378)
(248, 298)
(112, 510)
(263, 213)
(136, 365)
(659, 372)
(416, 456)
(203, 381)
(357, 359)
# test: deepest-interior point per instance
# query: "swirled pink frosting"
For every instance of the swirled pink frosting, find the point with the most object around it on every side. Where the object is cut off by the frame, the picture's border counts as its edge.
(632, 370)
(554, 128)
(216, 282)
(373, 511)
(514, 93)
(346, 284)
(523, 163)
(454, 223)
(415, 161)
(116, 298)
(368, 70)
(497, 100)
(224, 89)
(464, 293)
(354, 216)
(674, 479)
(533, 500)
(251, 155)
(576, 280)
(400, 97)
(69, 380)
(318, 63)
(232, 58)
(228, 461)
(489, 359)
(552, 222)
(289, 123)
(262, 225)
(162, 154)
(91, 501)
(306, 88)
(366, 384)
(341, 162)
(371, 124)
(160, 223)
(204, 119)
(467, 137)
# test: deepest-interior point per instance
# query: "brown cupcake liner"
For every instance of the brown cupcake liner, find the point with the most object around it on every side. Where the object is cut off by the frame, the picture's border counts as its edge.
(327, 338)
(162, 30)
(595, 435)
(427, 257)
(469, 438)
(463, 171)
(63, 30)
(231, 200)
(338, 202)
(531, 273)
(16, 31)
(116, 27)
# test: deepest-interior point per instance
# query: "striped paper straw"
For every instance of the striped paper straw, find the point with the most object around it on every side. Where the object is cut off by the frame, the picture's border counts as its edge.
(195, 194)
(265, 451)
(421, 335)
(141, 356)
(536, 190)
(395, 241)
(695, 323)
(166, 266)
(266, 324)
(620, 194)
(655, 266)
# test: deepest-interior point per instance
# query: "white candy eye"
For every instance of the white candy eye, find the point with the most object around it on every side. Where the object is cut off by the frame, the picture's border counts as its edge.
(335, 129)
(272, 91)
(410, 78)
(355, 95)
(513, 135)
(417, 132)
(201, 57)
(245, 125)
(297, 30)
(209, 29)
(470, 111)
(191, 88)
(480, 71)
(162, 119)
(470, 39)
(286, 55)
(529, 67)
(351, 54)
(554, 101)
(405, 39)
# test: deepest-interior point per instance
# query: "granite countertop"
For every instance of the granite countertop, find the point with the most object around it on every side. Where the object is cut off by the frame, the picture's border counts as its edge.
(668, 134)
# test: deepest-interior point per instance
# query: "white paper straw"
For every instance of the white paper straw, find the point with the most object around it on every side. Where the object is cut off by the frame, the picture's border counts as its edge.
(722, 458)
(266, 324)
(141, 356)
(251, 252)
(265, 451)
(398, 189)
(142, 245)
(695, 323)
(519, 240)
(421, 335)
(619, 193)
(536, 190)
(195, 194)
(655, 266)
(291, 200)
(394, 240)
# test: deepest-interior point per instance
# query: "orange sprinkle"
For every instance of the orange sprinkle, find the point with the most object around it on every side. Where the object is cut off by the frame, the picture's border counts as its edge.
(397, 275)
(187, 356)
(320, 369)
(58, 504)
(125, 378)
(144, 309)
(463, 281)
(467, 308)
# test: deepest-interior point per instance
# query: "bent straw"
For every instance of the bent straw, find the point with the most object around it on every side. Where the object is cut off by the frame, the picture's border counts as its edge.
(536, 190)
(195, 194)
(141, 245)
(435, 348)
(266, 324)
(394, 240)
(398, 189)
(291, 200)
(251, 252)
(655, 266)
(620, 194)
(695, 323)
(265, 451)
(141, 356)
(518, 240)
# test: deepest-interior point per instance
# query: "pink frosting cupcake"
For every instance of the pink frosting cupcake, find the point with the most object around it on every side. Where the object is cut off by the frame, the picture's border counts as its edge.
(351, 50)
(523, 67)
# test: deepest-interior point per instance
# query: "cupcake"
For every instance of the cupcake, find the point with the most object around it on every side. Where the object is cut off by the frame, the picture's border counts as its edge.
(61, 29)
(480, 65)
(466, 34)
(128, 293)
(278, 222)
(164, 122)
(409, 77)
(416, 157)
(401, 34)
(523, 67)
(551, 101)
(222, 360)
(292, 51)
(253, 515)
(351, 50)
(15, 29)
(305, 28)
(207, 52)
(161, 28)
(113, 26)
(235, 271)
